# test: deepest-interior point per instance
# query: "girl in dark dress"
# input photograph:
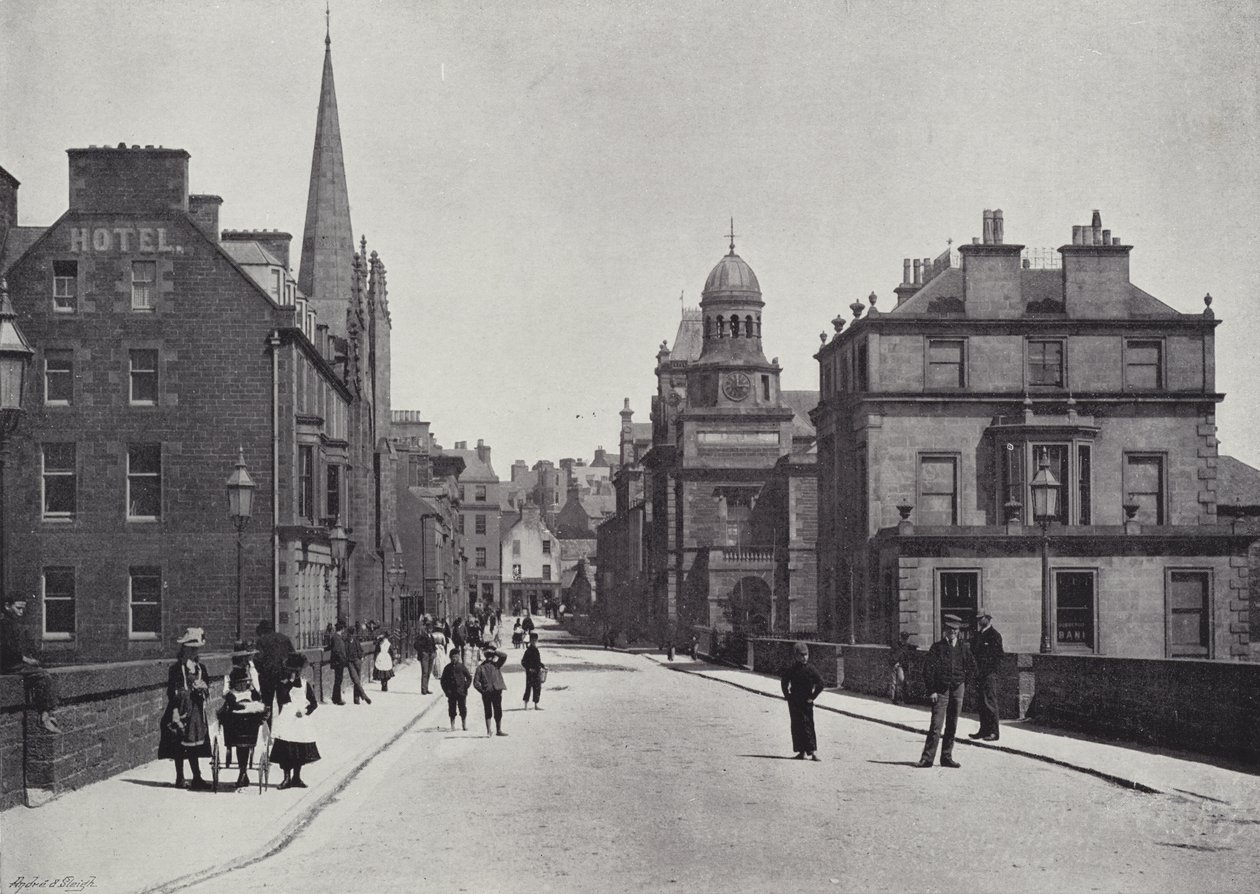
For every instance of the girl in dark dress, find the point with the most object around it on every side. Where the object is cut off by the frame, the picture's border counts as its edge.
(242, 711)
(185, 726)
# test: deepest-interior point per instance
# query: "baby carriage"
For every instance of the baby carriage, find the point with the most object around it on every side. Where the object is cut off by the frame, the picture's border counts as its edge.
(240, 723)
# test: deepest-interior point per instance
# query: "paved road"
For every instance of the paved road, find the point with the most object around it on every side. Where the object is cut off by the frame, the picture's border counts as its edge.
(641, 778)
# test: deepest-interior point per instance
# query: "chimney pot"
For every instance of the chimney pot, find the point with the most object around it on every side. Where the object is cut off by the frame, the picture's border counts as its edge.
(918, 272)
(975, 240)
(1096, 221)
(905, 270)
(1106, 237)
(987, 231)
(997, 226)
(1115, 240)
(1078, 236)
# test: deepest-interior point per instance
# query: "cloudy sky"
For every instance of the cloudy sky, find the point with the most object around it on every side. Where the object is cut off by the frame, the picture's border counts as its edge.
(543, 180)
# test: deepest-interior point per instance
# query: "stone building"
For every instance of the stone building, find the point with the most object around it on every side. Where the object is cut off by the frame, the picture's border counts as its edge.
(937, 414)
(480, 497)
(530, 559)
(720, 426)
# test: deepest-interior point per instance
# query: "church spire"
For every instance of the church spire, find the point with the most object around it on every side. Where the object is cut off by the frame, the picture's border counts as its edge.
(328, 238)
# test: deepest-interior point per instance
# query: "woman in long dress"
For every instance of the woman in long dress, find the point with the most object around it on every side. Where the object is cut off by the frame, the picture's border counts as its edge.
(383, 663)
(293, 735)
(185, 727)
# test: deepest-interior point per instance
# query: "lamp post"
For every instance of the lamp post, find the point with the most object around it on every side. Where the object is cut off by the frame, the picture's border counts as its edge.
(15, 357)
(240, 492)
(338, 542)
(1045, 497)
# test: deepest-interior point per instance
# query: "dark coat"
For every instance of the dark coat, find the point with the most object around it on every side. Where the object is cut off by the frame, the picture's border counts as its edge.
(12, 645)
(946, 666)
(273, 649)
(339, 652)
(424, 643)
(801, 683)
(178, 702)
(986, 647)
(531, 660)
(353, 648)
(455, 679)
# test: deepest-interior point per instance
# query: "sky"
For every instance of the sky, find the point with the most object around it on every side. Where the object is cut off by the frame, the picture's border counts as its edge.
(544, 181)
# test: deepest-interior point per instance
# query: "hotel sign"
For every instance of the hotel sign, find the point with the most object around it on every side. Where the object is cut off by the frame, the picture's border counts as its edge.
(146, 240)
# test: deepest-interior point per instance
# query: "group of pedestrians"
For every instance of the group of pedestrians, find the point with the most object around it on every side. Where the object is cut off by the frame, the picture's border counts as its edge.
(487, 680)
(946, 668)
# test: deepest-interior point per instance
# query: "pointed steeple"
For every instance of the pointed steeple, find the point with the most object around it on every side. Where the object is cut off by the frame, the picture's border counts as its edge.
(326, 270)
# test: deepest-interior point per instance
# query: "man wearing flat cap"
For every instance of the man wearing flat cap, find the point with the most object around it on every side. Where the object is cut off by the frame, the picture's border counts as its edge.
(945, 671)
(986, 647)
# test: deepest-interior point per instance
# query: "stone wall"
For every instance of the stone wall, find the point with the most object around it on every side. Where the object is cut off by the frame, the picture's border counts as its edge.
(110, 714)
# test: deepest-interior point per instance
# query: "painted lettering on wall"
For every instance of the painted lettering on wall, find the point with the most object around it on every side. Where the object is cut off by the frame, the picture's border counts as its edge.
(149, 240)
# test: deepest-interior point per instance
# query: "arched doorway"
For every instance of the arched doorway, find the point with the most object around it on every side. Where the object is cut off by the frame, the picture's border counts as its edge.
(748, 606)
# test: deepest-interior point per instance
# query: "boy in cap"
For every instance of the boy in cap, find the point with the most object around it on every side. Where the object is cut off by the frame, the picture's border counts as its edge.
(533, 664)
(801, 685)
(40, 686)
(945, 679)
(489, 682)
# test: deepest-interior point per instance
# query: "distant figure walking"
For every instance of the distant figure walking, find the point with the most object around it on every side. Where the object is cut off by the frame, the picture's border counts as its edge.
(945, 679)
(489, 682)
(426, 649)
(533, 664)
(801, 685)
(455, 682)
(987, 650)
(185, 726)
(899, 688)
(293, 736)
(355, 650)
(458, 636)
(383, 662)
(518, 635)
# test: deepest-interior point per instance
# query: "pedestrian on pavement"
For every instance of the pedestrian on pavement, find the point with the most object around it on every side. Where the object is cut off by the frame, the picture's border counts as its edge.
(293, 737)
(40, 689)
(458, 636)
(338, 659)
(355, 668)
(527, 623)
(900, 688)
(426, 649)
(986, 648)
(533, 664)
(455, 682)
(241, 714)
(489, 682)
(185, 728)
(273, 650)
(383, 661)
(945, 673)
(518, 635)
(801, 685)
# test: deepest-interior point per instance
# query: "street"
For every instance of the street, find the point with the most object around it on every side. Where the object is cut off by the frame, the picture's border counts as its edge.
(637, 777)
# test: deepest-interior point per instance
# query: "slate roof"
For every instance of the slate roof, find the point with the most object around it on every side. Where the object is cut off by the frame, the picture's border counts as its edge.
(1236, 483)
(474, 468)
(689, 340)
(18, 240)
(249, 253)
(800, 402)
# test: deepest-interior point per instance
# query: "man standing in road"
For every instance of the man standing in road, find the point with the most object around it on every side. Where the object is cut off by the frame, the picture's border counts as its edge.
(533, 664)
(945, 678)
(801, 685)
(426, 649)
(355, 652)
(338, 658)
(987, 650)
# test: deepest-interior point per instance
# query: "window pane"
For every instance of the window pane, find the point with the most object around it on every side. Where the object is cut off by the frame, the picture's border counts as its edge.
(945, 363)
(146, 619)
(960, 596)
(59, 495)
(1084, 485)
(146, 498)
(58, 376)
(937, 491)
(1045, 363)
(1144, 483)
(144, 376)
(143, 280)
(144, 459)
(59, 600)
(59, 457)
(1074, 613)
(146, 607)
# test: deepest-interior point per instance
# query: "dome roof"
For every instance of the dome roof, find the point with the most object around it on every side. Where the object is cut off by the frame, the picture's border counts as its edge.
(732, 274)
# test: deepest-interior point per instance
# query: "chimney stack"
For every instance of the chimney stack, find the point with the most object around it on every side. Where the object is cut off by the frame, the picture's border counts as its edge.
(128, 181)
(1095, 272)
(204, 210)
(991, 273)
(8, 202)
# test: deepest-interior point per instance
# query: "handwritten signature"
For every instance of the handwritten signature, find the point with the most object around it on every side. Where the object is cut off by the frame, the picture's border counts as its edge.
(62, 883)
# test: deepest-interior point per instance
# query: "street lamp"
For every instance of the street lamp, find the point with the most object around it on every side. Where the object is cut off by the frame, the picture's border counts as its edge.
(1045, 498)
(15, 357)
(338, 543)
(240, 491)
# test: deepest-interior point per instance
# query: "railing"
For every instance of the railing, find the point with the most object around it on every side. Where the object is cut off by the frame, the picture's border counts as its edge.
(748, 554)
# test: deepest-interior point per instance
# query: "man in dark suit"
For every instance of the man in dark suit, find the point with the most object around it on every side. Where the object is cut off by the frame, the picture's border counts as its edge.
(801, 685)
(338, 659)
(273, 650)
(945, 678)
(987, 649)
(426, 651)
(355, 652)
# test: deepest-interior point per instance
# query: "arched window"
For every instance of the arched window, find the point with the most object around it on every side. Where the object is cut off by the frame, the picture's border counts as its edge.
(759, 325)
(734, 326)
(721, 330)
(748, 326)
(708, 328)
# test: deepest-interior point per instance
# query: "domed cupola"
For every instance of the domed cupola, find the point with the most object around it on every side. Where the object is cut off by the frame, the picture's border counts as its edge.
(731, 307)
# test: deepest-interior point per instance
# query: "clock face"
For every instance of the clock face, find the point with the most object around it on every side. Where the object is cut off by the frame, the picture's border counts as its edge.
(736, 386)
(674, 398)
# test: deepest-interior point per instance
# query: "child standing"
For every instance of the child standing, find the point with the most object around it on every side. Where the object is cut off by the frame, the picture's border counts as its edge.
(455, 682)
(383, 663)
(293, 744)
(242, 711)
(489, 682)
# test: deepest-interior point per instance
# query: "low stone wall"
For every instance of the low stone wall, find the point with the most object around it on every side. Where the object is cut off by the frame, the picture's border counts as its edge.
(1211, 707)
(110, 714)
(774, 656)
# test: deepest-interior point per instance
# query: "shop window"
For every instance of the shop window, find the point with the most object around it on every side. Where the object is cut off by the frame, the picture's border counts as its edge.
(144, 481)
(145, 602)
(1074, 609)
(65, 286)
(960, 596)
(60, 480)
(1188, 618)
(59, 616)
(58, 378)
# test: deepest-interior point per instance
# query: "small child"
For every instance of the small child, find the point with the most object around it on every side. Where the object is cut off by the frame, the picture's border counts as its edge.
(293, 738)
(518, 635)
(242, 711)
(489, 682)
(455, 682)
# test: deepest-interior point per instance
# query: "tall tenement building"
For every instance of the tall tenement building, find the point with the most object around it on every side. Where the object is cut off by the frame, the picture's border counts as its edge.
(938, 414)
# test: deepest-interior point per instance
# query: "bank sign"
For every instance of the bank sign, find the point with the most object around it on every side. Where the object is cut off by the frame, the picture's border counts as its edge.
(147, 240)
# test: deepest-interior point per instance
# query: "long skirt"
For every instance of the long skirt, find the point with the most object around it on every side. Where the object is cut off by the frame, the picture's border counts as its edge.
(803, 738)
(293, 754)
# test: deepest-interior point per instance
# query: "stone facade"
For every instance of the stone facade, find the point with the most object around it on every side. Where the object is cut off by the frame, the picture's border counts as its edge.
(530, 558)
(937, 414)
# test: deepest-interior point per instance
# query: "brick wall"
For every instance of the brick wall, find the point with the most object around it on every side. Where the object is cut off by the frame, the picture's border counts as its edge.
(110, 714)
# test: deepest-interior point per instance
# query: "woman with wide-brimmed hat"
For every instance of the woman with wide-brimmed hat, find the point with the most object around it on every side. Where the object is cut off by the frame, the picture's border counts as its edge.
(293, 735)
(242, 711)
(185, 726)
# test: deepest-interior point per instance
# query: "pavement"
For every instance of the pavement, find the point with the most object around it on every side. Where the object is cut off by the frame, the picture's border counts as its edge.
(133, 832)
